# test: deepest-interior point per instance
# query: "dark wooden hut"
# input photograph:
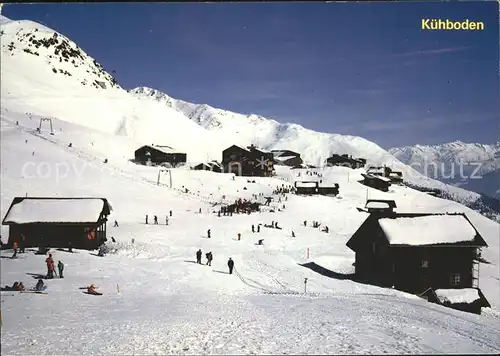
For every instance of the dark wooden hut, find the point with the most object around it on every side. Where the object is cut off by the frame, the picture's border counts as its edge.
(377, 182)
(247, 162)
(57, 222)
(157, 155)
(470, 300)
(345, 160)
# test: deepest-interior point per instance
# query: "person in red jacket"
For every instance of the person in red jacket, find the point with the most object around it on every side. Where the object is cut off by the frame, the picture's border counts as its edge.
(50, 266)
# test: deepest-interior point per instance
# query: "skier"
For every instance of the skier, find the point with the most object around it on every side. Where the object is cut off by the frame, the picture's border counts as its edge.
(253, 228)
(14, 247)
(50, 266)
(166, 220)
(209, 258)
(293, 233)
(198, 256)
(155, 218)
(60, 267)
(146, 219)
(230, 264)
(239, 236)
(258, 228)
(102, 250)
(116, 224)
(170, 212)
(305, 222)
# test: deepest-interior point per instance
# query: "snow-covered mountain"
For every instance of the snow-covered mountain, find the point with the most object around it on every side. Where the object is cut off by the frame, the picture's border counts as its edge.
(472, 166)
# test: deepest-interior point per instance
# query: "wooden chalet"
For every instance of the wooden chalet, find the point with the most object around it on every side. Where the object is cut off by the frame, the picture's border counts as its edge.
(247, 162)
(57, 222)
(314, 188)
(413, 252)
(286, 158)
(377, 182)
(345, 160)
(208, 166)
(159, 155)
(469, 300)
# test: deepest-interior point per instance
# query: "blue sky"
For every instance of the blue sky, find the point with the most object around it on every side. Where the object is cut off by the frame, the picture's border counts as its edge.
(364, 69)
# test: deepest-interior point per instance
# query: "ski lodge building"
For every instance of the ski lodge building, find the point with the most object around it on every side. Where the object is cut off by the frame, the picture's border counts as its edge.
(57, 222)
(159, 155)
(419, 253)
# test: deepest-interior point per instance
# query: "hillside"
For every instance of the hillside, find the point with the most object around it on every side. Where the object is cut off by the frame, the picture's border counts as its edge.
(167, 304)
(156, 299)
(472, 166)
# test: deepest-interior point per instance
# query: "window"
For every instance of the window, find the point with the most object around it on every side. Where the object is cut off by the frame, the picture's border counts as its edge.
(425, 263)
(455, 279)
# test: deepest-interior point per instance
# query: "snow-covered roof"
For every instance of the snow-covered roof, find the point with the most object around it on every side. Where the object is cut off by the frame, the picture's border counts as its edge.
(281, 159)
(377, 205)
(55, 210)
(465, 295)
(375, 177)
(306, 184)
(427, 230)
(164, 149)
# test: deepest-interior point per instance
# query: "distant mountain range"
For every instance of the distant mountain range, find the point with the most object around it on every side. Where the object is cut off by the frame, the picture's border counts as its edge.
(472, 166)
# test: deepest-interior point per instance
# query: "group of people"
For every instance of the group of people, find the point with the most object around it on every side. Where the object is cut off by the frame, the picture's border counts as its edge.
(51, 267)
(19, 287)
(155, 218)
(210, 257)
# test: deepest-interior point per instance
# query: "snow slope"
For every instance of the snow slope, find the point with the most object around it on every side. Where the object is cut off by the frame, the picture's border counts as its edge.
(156, 300)
(479, 164)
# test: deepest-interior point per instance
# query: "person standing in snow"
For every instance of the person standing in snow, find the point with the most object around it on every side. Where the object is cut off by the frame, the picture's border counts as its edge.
(209, 258)
(155, 218)
(146, 219)
(166, 220)
(116, 224)
(230, 264)
(14, 247)
(253, 228)
(239, 236)
(170, 213)
(50, 266)
(209, 234)
(198, 256)
(293, 233)
(60, 267)
(23, 244)
(258, 228)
